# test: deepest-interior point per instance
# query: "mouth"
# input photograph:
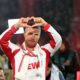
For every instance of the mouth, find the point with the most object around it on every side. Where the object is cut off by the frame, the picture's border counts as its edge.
(32, 40)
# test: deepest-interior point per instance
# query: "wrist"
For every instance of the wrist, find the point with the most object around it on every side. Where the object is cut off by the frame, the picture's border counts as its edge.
(44, 24)
(46, 27)
(16, 26)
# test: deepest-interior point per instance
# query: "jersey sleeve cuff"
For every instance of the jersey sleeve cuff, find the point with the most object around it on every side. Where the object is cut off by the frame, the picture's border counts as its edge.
(46, 27)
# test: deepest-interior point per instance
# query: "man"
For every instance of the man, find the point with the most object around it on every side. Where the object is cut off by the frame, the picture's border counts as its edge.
(29, 61)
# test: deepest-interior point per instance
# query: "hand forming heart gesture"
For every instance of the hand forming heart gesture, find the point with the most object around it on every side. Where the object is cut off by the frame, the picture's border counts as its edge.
(30, 22)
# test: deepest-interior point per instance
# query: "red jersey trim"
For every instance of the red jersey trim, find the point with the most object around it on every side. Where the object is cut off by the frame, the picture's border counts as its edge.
(47, 57)
(15, 52)
(46, 27)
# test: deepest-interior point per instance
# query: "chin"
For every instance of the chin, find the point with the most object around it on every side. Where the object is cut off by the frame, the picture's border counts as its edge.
(32, 46)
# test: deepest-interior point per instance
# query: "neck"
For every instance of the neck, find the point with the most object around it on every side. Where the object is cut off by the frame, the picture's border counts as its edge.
(30, 49)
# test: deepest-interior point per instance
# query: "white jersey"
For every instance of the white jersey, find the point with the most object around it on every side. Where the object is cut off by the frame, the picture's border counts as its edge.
(28, 65)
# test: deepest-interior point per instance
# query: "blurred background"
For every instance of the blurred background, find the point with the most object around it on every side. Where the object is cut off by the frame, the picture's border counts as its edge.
(63, 15)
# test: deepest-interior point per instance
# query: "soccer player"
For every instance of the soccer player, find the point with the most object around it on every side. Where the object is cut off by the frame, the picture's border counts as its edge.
(30, 60)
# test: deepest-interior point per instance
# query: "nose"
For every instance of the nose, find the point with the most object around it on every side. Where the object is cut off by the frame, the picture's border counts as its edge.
(33, 36)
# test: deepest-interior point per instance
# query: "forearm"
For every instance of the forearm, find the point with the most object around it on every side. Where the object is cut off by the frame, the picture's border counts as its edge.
(6, 35)
(53, 34)
(55, 39)
(5, 44)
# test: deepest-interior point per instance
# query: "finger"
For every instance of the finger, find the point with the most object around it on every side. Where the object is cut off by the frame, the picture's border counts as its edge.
(28, 18)
(25, 25)
(22, 20)
(33, 17)
(38, 20)
(37, 25)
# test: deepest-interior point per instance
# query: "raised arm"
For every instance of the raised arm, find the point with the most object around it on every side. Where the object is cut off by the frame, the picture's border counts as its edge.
(5, 37)
(55, 38)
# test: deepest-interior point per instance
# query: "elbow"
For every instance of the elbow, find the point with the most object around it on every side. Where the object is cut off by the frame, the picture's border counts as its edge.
(59, 42)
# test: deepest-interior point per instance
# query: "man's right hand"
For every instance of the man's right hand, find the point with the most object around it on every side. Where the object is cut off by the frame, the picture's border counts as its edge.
(22, 23)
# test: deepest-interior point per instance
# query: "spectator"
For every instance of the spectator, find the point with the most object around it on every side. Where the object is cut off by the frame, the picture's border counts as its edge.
(2, 76)
(65, 59)
(53, 72)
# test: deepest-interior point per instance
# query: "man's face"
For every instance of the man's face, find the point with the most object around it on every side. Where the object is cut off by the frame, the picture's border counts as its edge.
(31, 36)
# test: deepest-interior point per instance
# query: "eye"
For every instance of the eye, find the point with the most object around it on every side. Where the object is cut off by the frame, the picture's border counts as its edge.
(30, 33)
(36, 34)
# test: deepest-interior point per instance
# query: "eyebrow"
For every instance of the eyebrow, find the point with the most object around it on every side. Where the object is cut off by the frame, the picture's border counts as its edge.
(33, 28)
